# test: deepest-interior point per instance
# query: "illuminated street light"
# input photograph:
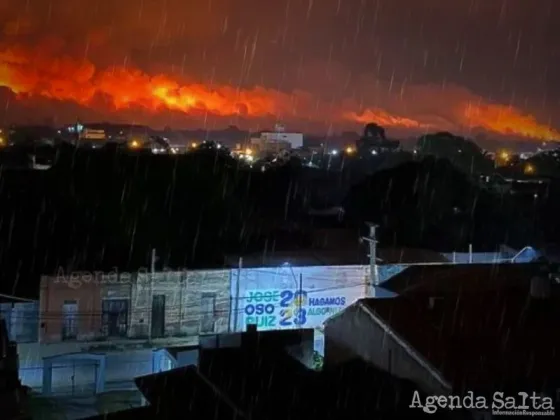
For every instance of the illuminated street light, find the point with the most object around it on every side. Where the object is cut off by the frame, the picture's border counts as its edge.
(349, 150)
(529, 169)
(248, 151)
(134, 144)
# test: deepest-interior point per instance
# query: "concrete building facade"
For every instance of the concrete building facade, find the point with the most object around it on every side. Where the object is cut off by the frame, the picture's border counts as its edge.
(176, 304)
(84, 307)
(69, 307)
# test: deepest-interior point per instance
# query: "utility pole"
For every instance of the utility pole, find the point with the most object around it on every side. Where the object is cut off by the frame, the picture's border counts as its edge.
(237, 292)
(373, 274)
(153, 260)
(77, 129)
(300, 300)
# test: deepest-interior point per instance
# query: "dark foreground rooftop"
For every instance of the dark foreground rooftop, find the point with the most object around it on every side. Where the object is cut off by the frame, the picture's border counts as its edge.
(243, 383)
(486, 342)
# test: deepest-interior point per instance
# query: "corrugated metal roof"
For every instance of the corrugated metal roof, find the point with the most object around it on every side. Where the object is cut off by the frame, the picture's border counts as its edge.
(453, 278)
(479, 342)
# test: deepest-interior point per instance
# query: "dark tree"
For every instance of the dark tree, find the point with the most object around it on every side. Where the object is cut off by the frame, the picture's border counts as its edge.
(463, 153)
(374, 140)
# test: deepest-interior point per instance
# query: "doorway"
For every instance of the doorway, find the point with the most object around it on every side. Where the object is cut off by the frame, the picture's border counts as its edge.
(70, 317)
(158, 316)
(207, 313)
(115, 317)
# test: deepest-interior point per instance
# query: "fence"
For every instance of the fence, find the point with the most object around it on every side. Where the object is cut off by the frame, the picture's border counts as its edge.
(78, 378)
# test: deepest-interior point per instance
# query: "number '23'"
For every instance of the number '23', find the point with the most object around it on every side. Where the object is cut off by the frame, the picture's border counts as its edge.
(299, 315)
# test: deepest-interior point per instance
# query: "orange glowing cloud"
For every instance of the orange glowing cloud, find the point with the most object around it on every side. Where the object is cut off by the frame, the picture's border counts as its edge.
(383, 118)
(46, 72)
(506, 120)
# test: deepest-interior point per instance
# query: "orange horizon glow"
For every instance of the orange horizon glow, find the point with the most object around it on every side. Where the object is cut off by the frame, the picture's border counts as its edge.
(383, 118)
(507, 120)
(42, 73)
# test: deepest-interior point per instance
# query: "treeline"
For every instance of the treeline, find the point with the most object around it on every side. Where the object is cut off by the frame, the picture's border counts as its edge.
(95, 210)
(101, 209)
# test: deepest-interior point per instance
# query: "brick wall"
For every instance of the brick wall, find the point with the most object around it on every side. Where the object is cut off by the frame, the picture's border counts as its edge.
(55, 290)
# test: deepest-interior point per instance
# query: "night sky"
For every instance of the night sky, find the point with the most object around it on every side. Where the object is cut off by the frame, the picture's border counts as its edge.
(466, 66)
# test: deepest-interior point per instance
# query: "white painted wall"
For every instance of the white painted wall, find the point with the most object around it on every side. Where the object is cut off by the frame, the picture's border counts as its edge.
(268, 296)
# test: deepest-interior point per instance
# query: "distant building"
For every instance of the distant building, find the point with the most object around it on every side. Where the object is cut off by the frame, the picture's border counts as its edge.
(263, 147)
(548, 146)
(92, 134)
(274, 142)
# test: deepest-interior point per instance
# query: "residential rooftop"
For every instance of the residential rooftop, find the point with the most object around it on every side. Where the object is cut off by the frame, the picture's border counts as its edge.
(342, 256)
(479, 342)
(463, 278)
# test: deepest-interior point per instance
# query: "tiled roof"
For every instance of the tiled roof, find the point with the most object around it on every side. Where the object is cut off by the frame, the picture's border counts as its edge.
(454, 278)
(345, 254)
(301, 258)
(410, 256)
(480, 342)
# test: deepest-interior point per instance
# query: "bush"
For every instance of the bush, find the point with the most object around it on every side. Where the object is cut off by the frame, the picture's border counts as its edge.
(317, 361)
